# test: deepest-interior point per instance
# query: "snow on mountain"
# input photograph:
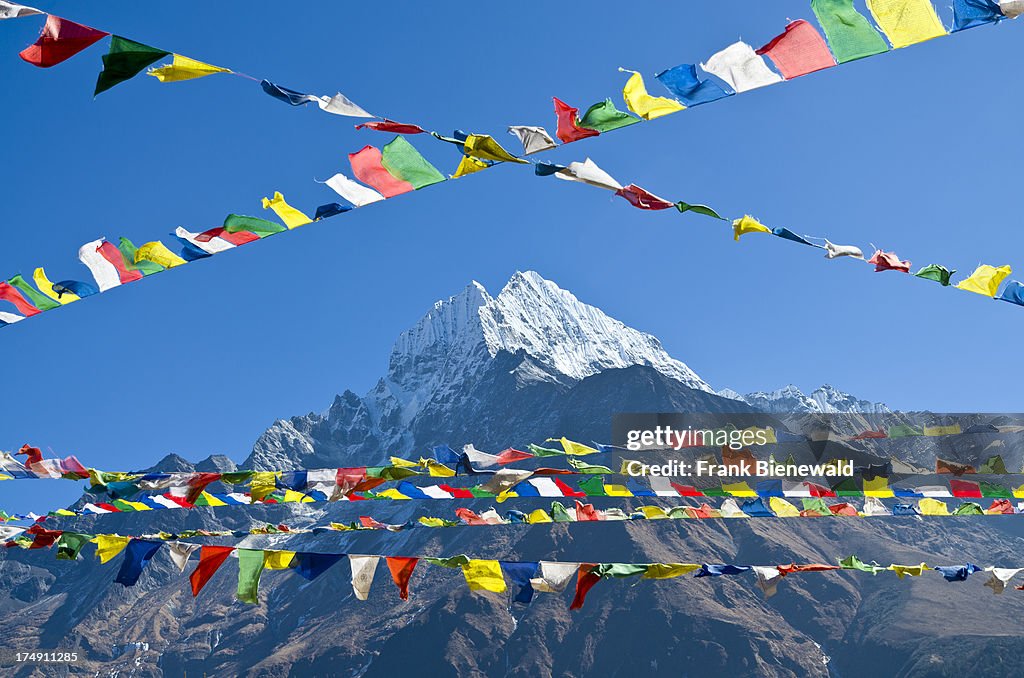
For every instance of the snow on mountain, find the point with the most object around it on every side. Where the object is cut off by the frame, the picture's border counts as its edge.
(824, 400)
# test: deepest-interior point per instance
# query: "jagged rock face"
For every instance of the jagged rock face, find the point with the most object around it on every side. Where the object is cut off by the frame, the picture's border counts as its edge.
(823, 400)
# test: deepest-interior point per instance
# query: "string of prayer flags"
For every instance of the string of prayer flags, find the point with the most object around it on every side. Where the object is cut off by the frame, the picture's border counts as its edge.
(59, 41)
(533, 139)
(124, 61)
(906, 22)
(183, 68)
(10, 10)
(568, 129)
(798, 51)
(643, 104)
(985, 280)
(849, 33)
(741, 67)
(888, 261)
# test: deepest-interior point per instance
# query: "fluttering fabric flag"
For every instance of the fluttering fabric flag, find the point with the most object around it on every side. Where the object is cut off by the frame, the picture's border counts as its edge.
(849, 33)
(106, 264)
(250, 567)
(180, 552)
(854, 563)
(768, 579)
(587, 172)
(311, 565)
(568, 130)
(60, 40)
(521, 575)
(157, 253)
(288, 96)
(485, 147)
(46, 287)
(10, 10)
(787, 234)
(604, 117)
(340, 104)
(204, 243)
(642, 199)
(386, 125)
(833, 251)
(484, 575)
(741, 67)
(367, 167)
(906, 22)
(747, 224)
(109, 545)
(401, 571)
(128, 253)
(363, 568)
(798, 51)
(1013, 293)
(70, 544)
(999, 577)
(908, 570)
(469, 165)
(534, 139)
(684, 207)
(888, 261)
(554, 577)
(586, 577)
(291, 217)
(354, 192)
(124, 61)
(1011, 8)
(137, 555)
(971, 13)
(719, 570)
(9, 294)
(682, 81)
(184, 68)
(210, 560)
(643, 104)
(939, 274)
(985, 280)
(74, 288)
(239, 223)
(330, 209)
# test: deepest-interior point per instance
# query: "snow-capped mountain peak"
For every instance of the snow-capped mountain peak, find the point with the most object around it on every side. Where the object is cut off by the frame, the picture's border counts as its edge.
(824, 400)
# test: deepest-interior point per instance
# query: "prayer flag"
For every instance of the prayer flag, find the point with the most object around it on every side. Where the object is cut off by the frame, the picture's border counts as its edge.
(60, 40)
(355, 193)
(684, 207)
(971, 13)
(128, 251)
(798, 51)
(250, 567)
(70, 544)
(124, 61)
(906, 22)
(604, 117)
(311, 565)
(291, 217)
(288, 96)
(238, 223)
(850, 35)
(642, 199)
(1013, 293)
(210, 560)
(46, 287)
(790, 235)
(643, 104)
(10, 10)
(521, 574)
(329, 210)
(683, 82)
(157, 253)
(939, 274)
(554, 577)
(1011, 8)
(888, 261)
(109, 545)
(180, 552)
(10, 294)
(741, 67)
(406, 164)
(401, 570)
(106, 264)
(833, 251)
(587, 172)
(367, 166)
(534, 139)
(985, 280)
(136, 556)
(340, 104)
(484, 575)
(485, 147)
(747, 224)
(586, 577)
(568, 130)
(363, 568)
(183, 68)
(392, 126)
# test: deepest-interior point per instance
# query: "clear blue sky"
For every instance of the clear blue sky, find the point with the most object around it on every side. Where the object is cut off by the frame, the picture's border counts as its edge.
(915, 151)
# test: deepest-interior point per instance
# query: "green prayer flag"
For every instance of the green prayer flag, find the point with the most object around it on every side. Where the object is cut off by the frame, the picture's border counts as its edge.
(939, 274)
(236, 477)
(558, 513)
(124, 61)
(905, 431)
(969, 508)
(404, 162)
(817, 504)
(480, 493)
(128, 250)
(250, 567)
(678, 513)
(594, 487)
(684, 207)
(604, 117)
(69, 544)
(454, 562)
(235, 223)
(848, 487)
(394, 473)
(993, 465)
(607, 570)
(850, 35)
(993, 491)
(539, 451)
(854, 563)
(37, 298)
(584, 467)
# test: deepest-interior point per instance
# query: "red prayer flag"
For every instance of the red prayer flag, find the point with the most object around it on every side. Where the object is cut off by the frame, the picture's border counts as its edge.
(964, 488)
(11, 294)
(798, 51)
(843, 510)
(401, 571)
(368, 168)
(586, 512)
(813, 567)
(61, 39)
(686, 490)
(943, 466)
(868, 435)
(818, 490)
(1004, 506)
(566, 490)
(469, 517)
(642, 199)
(34, 454)
(567, 130)
(116, 259)
(210, 559)
(236, 238)
(888, 261)
(510, 455)
(180, 501)
(43, 538)
(457, 492)
(198, 483)
(392, 126)
(585, 580)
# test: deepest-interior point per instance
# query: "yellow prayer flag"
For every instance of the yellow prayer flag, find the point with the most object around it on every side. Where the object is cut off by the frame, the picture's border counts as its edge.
(1018, 492)
(46, 287)
(985, 280)
(783, 508)
(183, 68)
(505, 494)
(277, 560)
(643, 104)
(908, 570)
(740, 489)
(932, 507)
(484, 575)
(617, 491)
(403, 463)
(438, 470)
(654, 513)
(577, 449)
(538, 516)
(109, 545)
(747, 224)
(211, 500)
(669, 570)
(391, 493)
(485, 147)
(158, 253)
(877, 487)
(431, 522)
(906, 22)
(291, 217)
(262, 484)
(137, 505)
(468, 165)
(942, 430)
(291, 496)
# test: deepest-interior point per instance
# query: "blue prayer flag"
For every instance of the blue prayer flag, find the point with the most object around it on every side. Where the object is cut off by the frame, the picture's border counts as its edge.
(683, 82)
(137, 555)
